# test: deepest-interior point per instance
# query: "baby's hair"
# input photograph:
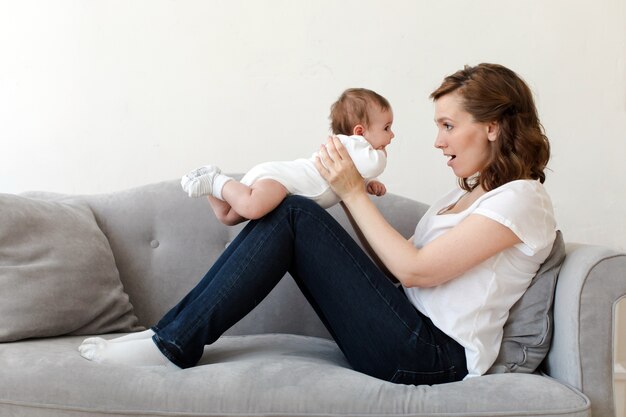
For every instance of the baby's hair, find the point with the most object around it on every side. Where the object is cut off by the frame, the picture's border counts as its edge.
(351, 109)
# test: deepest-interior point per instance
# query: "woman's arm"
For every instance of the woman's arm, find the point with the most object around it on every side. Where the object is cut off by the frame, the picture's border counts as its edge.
(474, 240)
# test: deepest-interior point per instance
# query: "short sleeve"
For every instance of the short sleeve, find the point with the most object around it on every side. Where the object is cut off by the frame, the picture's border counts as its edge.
(368, 161)
(525, 207)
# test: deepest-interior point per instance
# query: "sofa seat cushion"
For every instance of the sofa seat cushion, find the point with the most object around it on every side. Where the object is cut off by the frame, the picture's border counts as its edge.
(272, 374)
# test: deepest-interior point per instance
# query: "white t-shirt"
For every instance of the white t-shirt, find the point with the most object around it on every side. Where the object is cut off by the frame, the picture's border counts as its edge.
(300, 177)
(473, 307)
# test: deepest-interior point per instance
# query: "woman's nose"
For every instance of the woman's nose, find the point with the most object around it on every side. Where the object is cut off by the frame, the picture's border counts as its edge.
(439, 143)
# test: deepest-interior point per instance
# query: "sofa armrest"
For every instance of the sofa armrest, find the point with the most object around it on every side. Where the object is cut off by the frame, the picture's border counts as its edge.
(591, 282)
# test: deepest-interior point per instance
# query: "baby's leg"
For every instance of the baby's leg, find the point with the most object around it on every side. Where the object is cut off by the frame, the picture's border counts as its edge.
(224, 212)
(256, 200)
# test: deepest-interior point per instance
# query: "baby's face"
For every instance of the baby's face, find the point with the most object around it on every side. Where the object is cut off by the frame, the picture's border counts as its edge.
(379, 133)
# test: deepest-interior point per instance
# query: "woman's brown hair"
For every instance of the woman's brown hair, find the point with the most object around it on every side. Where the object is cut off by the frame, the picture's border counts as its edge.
(493, 93)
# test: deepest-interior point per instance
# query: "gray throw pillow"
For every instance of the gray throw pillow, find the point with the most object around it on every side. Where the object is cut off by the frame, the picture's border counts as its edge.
(528, 330)
(57, 272)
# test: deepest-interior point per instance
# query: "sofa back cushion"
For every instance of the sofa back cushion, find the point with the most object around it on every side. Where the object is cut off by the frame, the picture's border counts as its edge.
(57, 272)
(528, 330)
(162, 240)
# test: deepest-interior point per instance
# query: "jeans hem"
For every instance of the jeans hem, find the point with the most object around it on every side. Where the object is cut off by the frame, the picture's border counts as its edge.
(165, 352)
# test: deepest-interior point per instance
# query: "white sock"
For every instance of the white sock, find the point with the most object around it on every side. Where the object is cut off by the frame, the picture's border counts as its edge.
(218, 184)
(199, 182)
(142, 352)
(146, 334)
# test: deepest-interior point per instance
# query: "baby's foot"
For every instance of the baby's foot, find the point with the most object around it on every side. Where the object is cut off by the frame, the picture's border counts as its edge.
(142, 352)
(199, 182)
(146, 334)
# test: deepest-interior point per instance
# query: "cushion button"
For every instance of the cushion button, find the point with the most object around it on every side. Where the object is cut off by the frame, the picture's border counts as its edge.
(154, 244)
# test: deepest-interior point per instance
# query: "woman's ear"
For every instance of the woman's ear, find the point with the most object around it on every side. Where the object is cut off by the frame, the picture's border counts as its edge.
(493, 130)
(358, 130)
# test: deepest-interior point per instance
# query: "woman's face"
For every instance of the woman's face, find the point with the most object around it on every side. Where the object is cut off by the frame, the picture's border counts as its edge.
(465, 142)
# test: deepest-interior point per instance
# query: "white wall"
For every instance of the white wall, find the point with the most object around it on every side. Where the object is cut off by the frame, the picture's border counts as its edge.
(102, 95)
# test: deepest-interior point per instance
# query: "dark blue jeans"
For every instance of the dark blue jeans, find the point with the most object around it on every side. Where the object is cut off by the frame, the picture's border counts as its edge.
(374, 324)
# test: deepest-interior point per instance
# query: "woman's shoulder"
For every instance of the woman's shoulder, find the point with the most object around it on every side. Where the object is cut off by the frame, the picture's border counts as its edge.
(519, 195)
(525, 207)
(520, 192)
(525, 185)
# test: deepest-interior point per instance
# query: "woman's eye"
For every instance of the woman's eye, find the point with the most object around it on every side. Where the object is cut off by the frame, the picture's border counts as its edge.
(447, 126)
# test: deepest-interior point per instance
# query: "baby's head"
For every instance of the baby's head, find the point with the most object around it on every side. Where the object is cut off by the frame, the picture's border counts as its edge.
(359, 111)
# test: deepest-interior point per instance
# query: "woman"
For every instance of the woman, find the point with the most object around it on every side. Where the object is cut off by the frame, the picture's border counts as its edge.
(472, 256)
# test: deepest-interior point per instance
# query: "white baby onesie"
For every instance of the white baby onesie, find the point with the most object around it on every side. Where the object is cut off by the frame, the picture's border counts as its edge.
(300, 176)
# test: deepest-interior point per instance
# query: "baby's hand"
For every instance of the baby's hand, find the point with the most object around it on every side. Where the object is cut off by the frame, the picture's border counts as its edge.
(377, 188)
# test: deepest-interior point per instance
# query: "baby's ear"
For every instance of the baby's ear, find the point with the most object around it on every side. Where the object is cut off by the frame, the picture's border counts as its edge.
(358, 130)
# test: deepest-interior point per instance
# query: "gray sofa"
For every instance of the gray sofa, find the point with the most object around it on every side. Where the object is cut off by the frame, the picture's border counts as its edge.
(71, 266)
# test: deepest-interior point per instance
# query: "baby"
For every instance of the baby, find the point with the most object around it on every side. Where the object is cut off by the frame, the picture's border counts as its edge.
(362, 121)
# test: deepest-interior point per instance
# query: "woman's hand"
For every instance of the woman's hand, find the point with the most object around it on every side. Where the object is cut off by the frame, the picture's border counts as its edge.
(336, 166)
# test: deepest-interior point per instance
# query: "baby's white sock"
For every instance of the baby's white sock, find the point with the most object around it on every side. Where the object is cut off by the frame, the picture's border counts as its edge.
(218, 184)
(142, 352)
(199, 182)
